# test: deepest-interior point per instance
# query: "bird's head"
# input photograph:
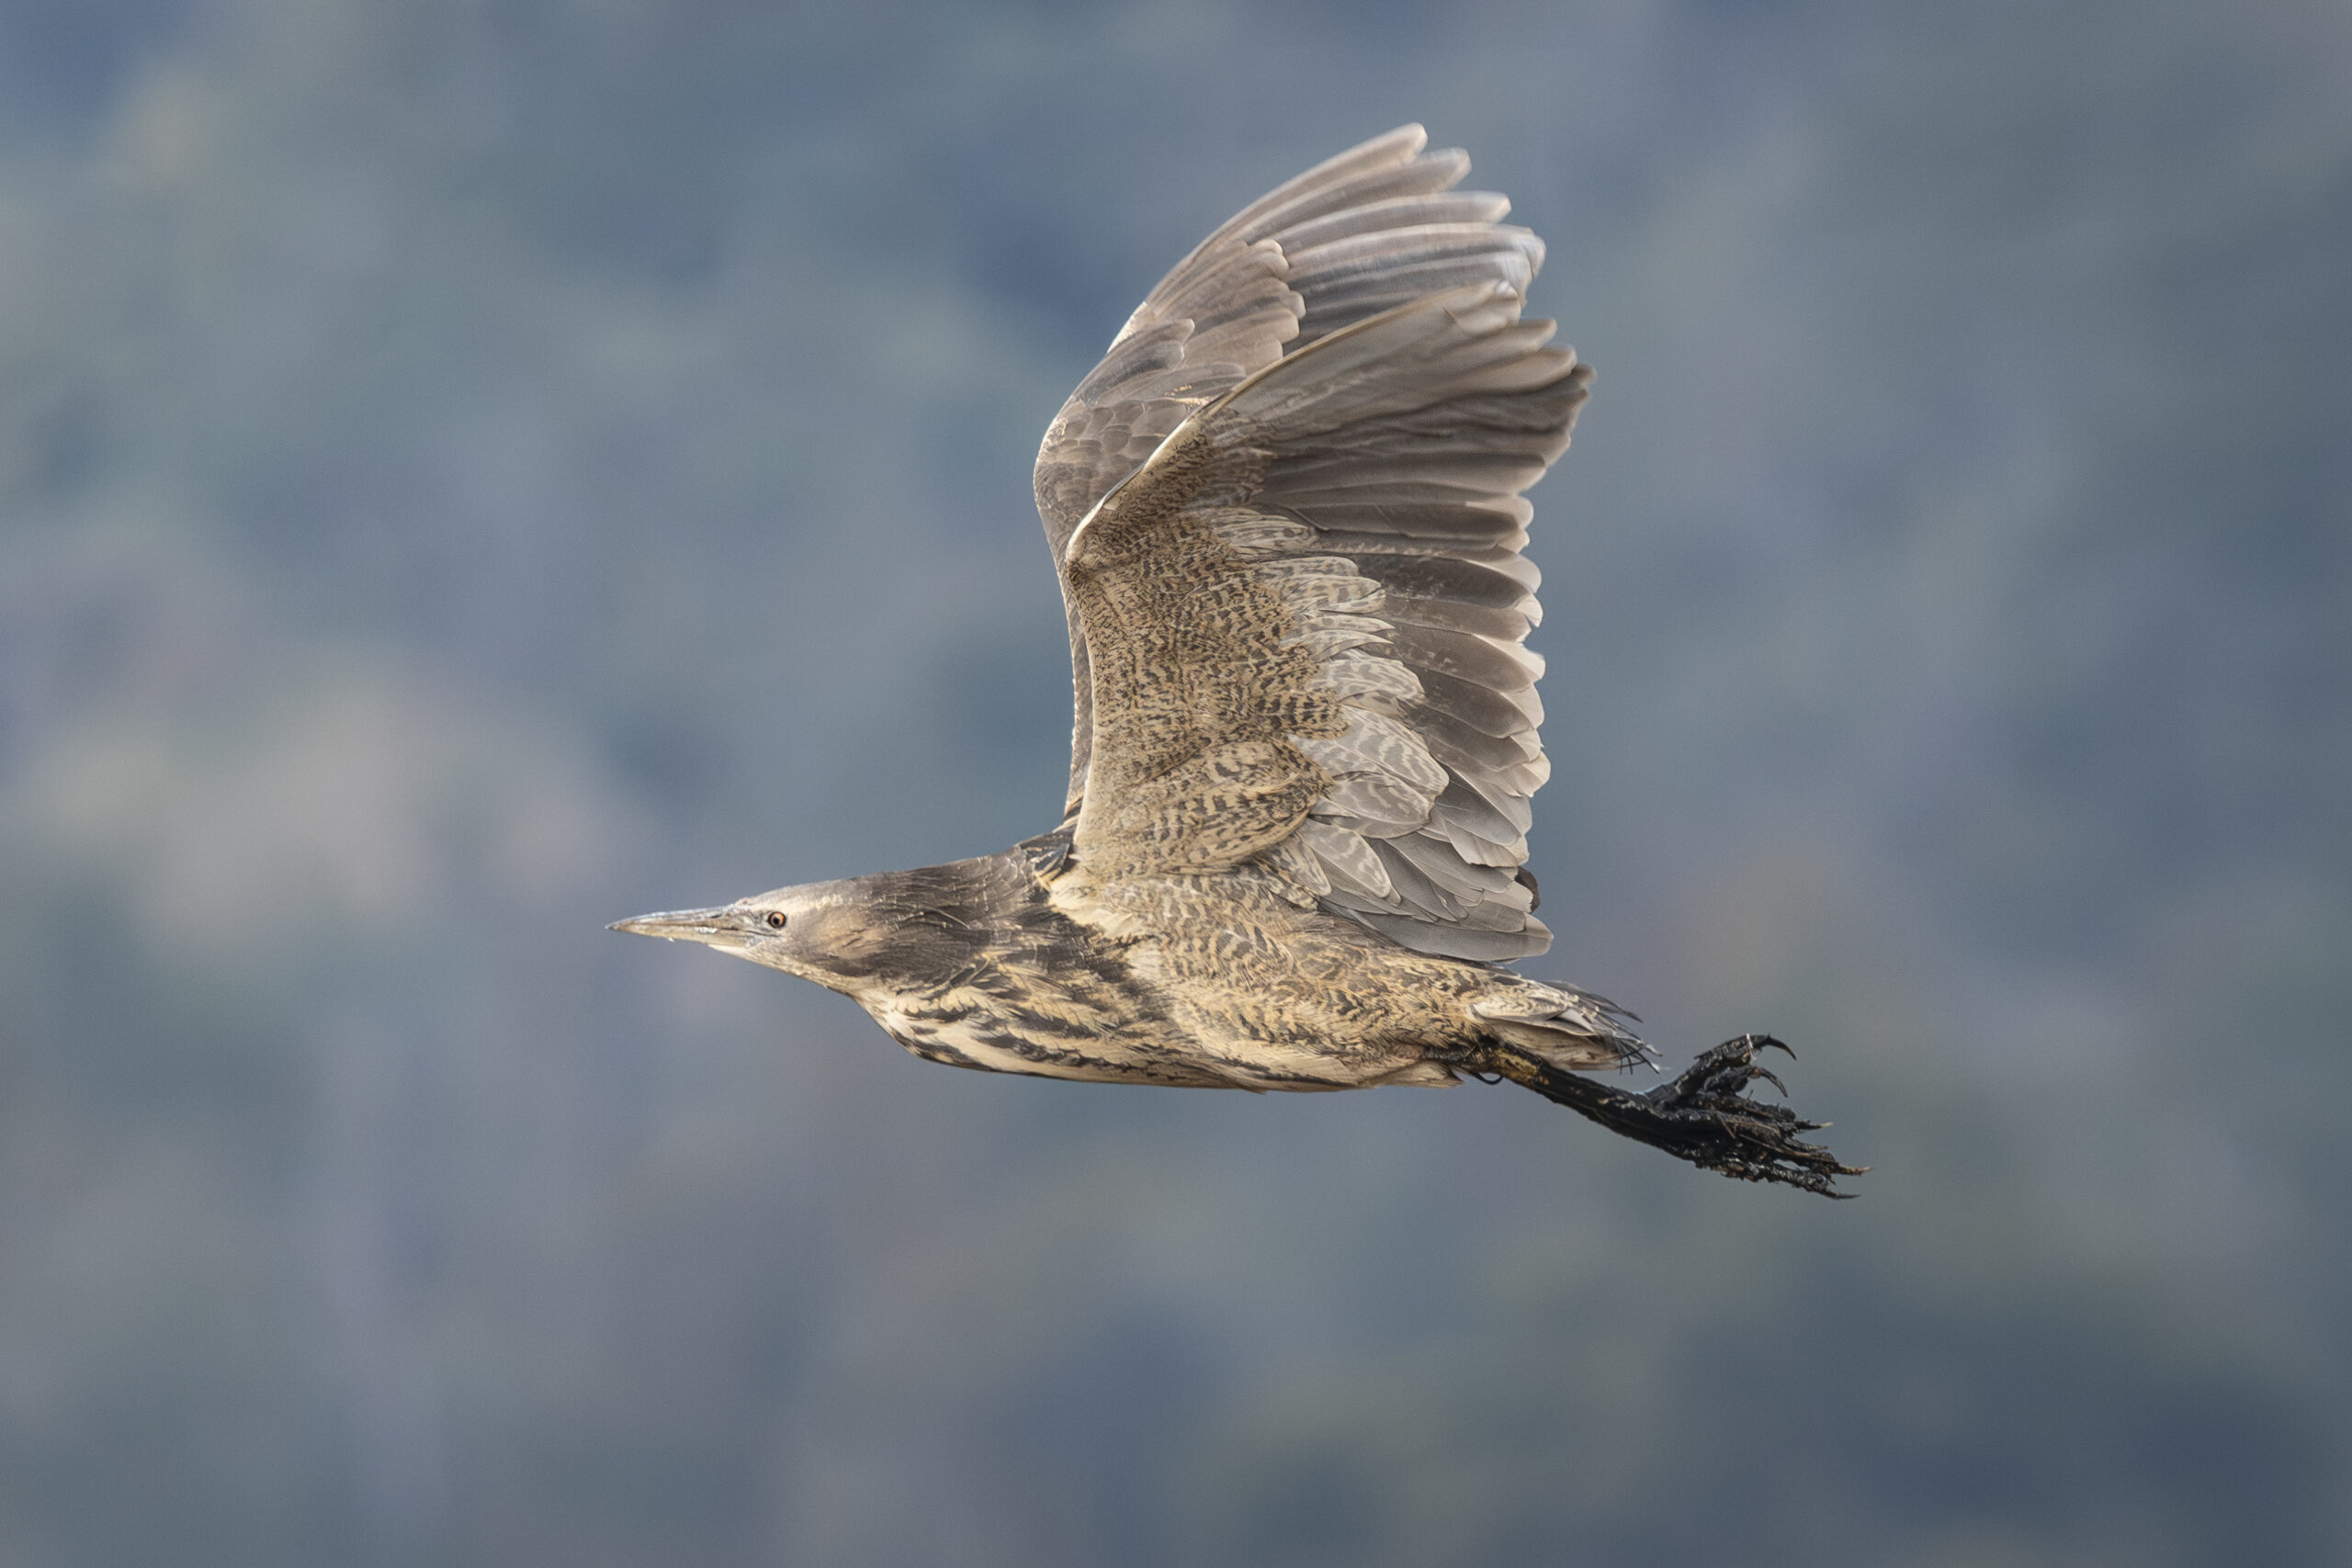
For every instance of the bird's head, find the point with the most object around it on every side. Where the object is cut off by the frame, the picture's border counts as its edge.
(830, 933)
(865, 936)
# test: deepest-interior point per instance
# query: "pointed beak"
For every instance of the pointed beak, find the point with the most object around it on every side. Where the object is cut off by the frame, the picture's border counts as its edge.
(719, 928)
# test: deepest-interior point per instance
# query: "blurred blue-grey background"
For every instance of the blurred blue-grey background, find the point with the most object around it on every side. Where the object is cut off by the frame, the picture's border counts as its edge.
(474, 470)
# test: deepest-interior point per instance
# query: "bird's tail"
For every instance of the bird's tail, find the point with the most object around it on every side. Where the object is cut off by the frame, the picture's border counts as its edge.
(1562, 1028)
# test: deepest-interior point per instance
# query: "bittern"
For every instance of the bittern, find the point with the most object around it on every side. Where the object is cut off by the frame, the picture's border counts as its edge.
(1286, 511)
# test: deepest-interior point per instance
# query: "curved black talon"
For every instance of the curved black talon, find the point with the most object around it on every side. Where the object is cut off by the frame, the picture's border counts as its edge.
(1703, 1116)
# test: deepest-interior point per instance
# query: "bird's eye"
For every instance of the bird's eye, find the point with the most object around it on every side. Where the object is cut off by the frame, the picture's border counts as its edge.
(776, 920)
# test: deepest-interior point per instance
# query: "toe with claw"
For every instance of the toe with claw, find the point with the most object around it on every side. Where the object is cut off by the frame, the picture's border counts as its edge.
(1704, 1116)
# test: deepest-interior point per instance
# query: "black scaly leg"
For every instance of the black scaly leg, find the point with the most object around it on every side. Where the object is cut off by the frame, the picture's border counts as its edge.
(1704, 1116)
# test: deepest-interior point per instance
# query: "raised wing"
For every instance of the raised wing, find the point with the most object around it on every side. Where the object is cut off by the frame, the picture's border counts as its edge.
(1374, 228)
(1304, 617)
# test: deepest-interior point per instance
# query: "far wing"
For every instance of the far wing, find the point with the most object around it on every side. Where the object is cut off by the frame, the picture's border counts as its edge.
(1304, 617)
(1374, 228)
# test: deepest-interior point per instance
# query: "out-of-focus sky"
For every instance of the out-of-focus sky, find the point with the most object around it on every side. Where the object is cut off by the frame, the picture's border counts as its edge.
(474, 470)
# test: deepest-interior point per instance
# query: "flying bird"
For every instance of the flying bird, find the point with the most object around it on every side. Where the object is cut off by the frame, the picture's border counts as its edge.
(1286, 511)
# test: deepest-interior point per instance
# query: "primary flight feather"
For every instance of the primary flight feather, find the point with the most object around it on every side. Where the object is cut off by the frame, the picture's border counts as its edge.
(1286, 511)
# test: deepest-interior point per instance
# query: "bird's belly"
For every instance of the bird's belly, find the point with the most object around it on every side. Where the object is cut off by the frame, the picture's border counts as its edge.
(1044, 1041)
(1181, 1047)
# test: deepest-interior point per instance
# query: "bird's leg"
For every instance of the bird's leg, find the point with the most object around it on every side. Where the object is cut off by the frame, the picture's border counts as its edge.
(1704, 1116)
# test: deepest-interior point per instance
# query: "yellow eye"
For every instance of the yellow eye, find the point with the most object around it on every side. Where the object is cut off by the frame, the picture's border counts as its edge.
(776, 920)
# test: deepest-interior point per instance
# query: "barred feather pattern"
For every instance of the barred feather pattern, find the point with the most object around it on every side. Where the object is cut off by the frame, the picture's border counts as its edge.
(1305, 615)
(1376, 228)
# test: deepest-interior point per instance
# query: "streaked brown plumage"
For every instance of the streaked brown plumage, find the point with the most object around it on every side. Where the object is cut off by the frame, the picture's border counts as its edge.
(1286, 513)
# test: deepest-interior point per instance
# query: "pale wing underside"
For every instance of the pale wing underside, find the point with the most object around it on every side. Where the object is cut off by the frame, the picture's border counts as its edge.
(1374, 228)
(1304, 616)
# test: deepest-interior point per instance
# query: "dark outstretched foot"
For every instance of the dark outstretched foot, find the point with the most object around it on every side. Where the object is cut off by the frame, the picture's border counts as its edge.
(1704, 1116)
